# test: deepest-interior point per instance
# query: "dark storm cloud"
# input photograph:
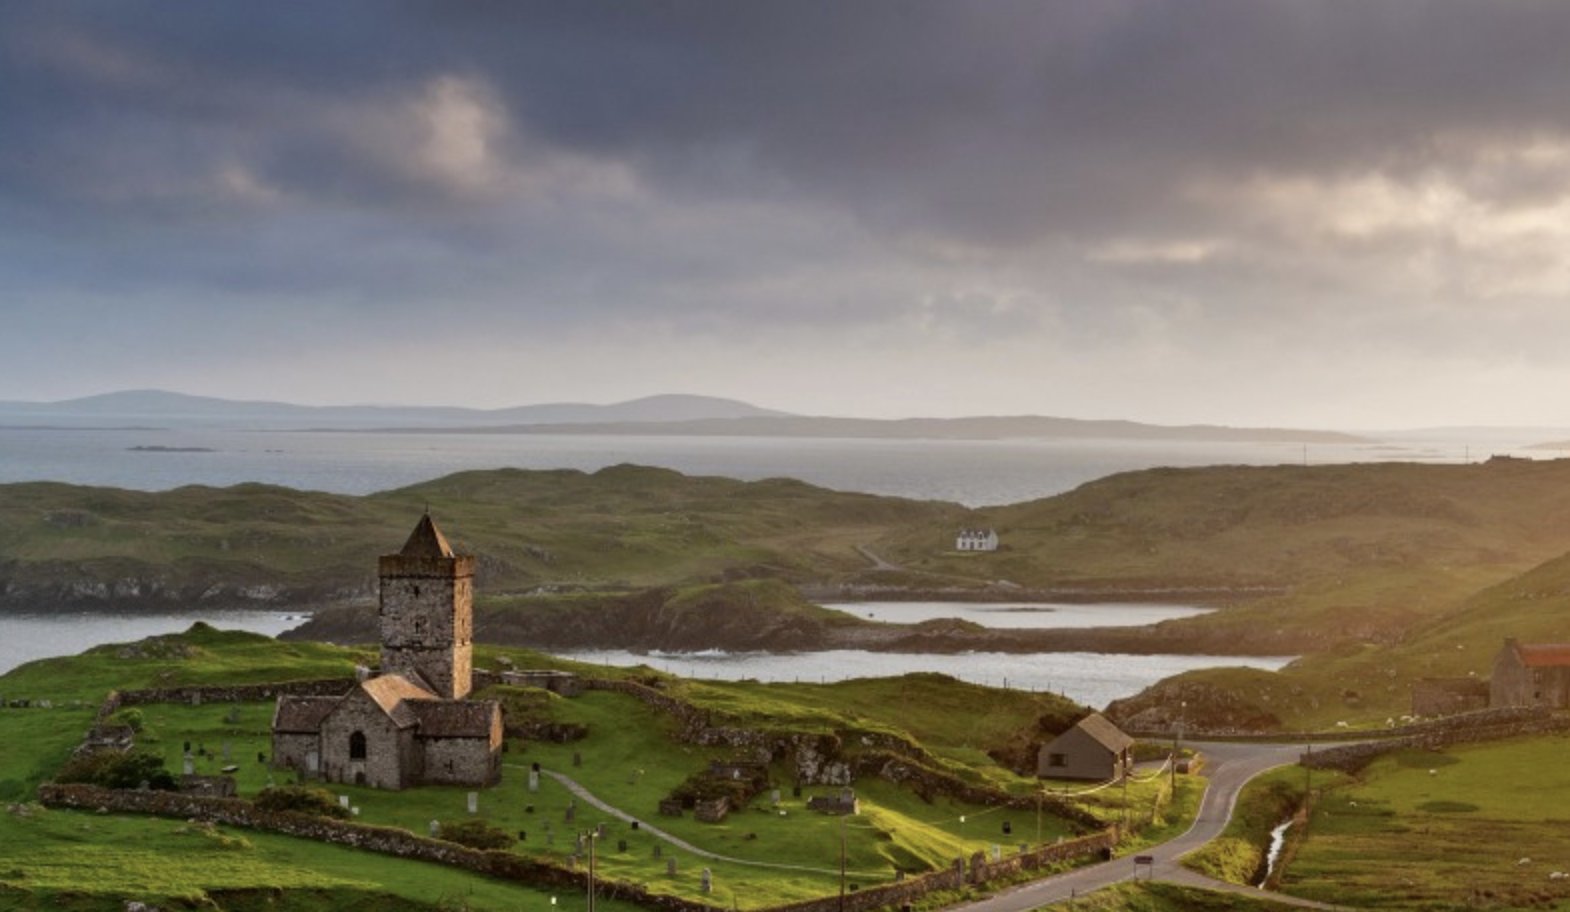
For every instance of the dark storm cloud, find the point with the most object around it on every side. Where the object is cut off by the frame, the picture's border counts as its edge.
(965, 170)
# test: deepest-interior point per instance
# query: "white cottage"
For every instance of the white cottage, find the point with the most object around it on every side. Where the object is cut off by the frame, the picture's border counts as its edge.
(976, 540)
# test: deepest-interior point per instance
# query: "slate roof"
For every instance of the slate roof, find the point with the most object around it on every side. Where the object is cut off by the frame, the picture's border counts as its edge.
(302, 715)
(426, 541)
(1544, 655)
(453, 718)
(1105, 733)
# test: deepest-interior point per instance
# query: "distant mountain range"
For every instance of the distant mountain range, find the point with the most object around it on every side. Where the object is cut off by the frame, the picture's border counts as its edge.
(675, 415)
(160, 408)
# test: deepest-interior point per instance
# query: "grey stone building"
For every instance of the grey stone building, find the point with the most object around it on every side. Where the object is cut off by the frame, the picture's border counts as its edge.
(1093, 749)
(1536, 674)
(412, 724)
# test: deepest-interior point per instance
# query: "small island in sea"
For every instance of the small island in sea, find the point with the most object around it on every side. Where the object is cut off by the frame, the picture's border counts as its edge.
(169, 449)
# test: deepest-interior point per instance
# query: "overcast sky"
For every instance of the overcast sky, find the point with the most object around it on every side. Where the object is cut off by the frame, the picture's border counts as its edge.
(1337, 214)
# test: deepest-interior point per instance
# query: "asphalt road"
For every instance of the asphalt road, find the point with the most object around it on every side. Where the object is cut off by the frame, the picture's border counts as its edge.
(1228, 767)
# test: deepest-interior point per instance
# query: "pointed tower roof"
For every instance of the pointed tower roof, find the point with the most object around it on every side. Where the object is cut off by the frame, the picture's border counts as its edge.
(426, 541)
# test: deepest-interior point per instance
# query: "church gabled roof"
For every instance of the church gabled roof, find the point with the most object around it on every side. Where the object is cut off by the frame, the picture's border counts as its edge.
(454, 718)
(426, 541)
(390, 691)
(302, 715)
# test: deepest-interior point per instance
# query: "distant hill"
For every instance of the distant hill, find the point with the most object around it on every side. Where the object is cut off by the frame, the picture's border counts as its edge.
(162, 408)
(990, 427)
(665, 415)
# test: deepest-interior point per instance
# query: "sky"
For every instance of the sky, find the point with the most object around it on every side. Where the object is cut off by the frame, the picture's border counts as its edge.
(1310, 214)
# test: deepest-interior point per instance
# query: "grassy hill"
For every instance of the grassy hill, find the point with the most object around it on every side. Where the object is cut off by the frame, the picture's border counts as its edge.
(623, 526)
(630, 756)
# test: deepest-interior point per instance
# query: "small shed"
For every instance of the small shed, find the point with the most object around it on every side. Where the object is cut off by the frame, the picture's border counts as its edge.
(1093, 749)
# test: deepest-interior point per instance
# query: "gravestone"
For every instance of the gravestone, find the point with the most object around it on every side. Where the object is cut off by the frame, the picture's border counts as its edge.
(570, 814)
(227, 758)
(795, 791)
(670, 867)
(577, 759)
(196, 698)
(997, 852)
(523, 835)
(599, 831)
(261, 757)
(528, 809)
(190, 765)
(635, 826)
(534, 780)
(658, 851)
(706, 883)
(621, 845)
(188, 747)
(343, 801)
(474, 802)
(774, 796)
(1008, 828)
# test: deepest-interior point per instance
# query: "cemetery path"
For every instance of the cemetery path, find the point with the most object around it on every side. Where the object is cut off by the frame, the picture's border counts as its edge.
(589, 797)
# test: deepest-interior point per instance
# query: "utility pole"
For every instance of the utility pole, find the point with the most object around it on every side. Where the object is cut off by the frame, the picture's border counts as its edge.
(591, 870)
(842, 863)
(1177, 739)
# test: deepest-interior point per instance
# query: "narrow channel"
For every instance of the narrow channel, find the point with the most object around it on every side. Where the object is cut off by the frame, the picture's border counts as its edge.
(1278, 839)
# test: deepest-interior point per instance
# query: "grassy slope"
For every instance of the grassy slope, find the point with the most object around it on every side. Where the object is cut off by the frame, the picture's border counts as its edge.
(629, 757)
(1426, 830)
(622, 525)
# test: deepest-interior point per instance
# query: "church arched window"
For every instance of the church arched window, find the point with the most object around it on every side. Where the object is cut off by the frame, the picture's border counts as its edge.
(357, 746)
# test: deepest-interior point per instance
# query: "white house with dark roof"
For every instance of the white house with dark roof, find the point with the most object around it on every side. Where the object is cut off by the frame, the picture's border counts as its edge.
(412, 724)
(976, 540)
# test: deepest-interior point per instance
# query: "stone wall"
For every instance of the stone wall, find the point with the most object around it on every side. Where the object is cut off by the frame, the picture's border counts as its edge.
(227, 693)
(1490, 725)
(1102, 844)
(524, 870)
(384, 840)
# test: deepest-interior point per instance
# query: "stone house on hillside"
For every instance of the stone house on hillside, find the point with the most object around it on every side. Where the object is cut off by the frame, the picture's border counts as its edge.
(412, 724)
(1093, 749)
(1535, 674)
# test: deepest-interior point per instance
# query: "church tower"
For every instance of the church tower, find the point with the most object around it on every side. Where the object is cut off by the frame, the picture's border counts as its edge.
(427, 613)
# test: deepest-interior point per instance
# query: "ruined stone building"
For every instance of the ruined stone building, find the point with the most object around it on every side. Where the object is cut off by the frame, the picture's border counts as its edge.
(412, 723)
(1535, 674)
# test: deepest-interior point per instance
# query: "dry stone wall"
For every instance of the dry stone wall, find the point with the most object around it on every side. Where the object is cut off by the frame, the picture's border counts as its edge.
(1492, 725)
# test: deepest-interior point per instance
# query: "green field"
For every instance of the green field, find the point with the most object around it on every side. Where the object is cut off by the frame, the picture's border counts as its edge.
(1472, 827)
(630, 759)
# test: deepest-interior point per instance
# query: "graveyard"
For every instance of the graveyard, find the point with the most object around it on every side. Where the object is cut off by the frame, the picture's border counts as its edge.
(769, 850)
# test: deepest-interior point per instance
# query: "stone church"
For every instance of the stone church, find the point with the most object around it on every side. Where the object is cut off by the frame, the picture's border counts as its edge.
(412, 723)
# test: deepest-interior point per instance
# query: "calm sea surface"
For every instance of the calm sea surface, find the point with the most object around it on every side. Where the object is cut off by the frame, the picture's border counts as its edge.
(1091, 678)
(971, 472)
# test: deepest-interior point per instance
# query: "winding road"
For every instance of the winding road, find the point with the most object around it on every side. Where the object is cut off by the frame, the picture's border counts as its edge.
(1228, 767)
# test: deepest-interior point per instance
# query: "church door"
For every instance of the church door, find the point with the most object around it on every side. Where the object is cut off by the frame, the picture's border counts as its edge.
(357, 746)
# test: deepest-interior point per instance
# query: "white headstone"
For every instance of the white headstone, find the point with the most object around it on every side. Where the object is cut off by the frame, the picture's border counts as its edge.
(190, 765)
(343, 801)
(436, 828)
(474, 802)
(534, 780)
(707, 884)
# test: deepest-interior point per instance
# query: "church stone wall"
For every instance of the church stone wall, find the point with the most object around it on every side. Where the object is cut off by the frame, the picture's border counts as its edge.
(292, 750)
(460, 761)
(385, 744)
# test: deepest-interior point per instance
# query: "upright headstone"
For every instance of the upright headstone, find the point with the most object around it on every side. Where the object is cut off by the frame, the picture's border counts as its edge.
(226, 751)
(670, 867)
(621, 845)
(436, 828)
(534, 780)
(599, 831)
(190, 765)
(706, 883)
(474, 802)
(774, 796)
(343, 801)
(658, 850)
(577, 759)
(997, 852)
(570, 814)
